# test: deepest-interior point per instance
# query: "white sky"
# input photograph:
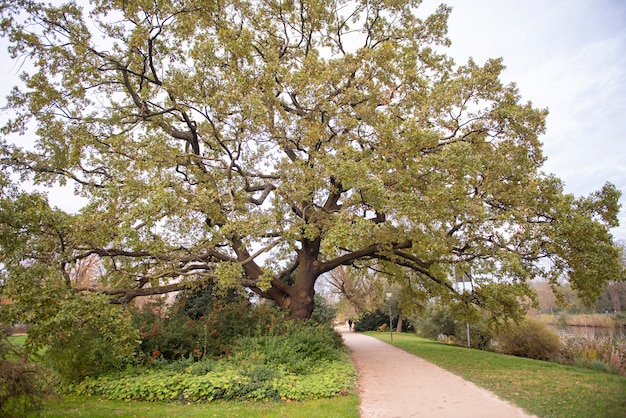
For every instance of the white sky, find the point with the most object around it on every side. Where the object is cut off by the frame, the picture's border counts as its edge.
(566, 55)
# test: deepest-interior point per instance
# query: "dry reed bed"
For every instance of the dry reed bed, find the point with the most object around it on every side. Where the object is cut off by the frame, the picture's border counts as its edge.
(582, 320)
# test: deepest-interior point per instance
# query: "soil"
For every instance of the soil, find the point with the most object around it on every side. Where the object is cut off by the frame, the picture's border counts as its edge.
(394, 383)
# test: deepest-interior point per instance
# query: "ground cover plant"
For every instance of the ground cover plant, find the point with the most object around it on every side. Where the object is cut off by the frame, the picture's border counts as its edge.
(307, 361)
(230, 351)
(542, 388)
(258, 355)
(227, 382)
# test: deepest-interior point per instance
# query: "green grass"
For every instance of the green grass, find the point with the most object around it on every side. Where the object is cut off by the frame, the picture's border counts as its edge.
(541, 388)
(69, 406)
(17, 339)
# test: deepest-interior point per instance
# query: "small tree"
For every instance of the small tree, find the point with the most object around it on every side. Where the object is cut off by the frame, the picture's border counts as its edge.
(87, 337)
(22, 382)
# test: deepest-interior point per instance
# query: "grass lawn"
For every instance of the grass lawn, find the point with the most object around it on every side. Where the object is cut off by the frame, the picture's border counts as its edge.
(70, 406)
(17, 339)
(541, 388)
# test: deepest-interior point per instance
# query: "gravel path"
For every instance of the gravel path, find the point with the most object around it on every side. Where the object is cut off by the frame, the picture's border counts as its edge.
(394, 383)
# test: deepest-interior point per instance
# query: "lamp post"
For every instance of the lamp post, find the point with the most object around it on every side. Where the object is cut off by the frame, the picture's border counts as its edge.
(390, 323)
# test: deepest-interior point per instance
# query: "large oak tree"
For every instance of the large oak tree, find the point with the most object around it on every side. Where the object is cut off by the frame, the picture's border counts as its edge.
(263, 143)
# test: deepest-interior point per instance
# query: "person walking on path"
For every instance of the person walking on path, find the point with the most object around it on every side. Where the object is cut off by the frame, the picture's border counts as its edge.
(394, 383)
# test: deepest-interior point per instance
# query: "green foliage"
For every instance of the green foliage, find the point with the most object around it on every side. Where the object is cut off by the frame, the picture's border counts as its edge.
(371, 321)
(22, 382)
(276, 127)
(199, 303)
(258, 384)
(89, 337)
(442, 321)
(298, 350)
(307, 361)
(436, 321)
(323, 312)
(169, 332)
(481, 335)
(531, 338)
(84, 335)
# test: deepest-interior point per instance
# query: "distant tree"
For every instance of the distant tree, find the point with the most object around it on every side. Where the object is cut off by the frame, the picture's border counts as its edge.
(614, 295)
(264, 143)
(546, 299)
(362, 289)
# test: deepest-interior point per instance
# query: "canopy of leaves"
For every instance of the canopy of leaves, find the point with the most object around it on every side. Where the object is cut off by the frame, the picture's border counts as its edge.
(244, 142)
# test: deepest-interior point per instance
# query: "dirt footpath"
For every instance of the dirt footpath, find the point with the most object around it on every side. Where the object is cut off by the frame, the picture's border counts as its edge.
(394, 383)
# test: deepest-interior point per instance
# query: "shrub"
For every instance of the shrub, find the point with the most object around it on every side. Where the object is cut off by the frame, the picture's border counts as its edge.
(588, 352)
(91, 337)
(437, 321)
(305, 361)
(22, 387)
(531, 338)
(481, 335)
(168, 331)
(273, 358)
(371, 321)
(323, 312)
(298, 350)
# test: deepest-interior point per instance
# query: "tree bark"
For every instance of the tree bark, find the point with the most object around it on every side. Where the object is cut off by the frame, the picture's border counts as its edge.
(399, 326)
(302, 292)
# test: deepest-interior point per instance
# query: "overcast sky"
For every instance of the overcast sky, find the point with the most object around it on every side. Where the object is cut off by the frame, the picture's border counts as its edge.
(566, 55)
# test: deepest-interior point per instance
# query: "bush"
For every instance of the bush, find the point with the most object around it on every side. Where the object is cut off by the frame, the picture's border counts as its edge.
(323, 313)
(298, 350)
(481, 335)
(371, 321)
(168, 331)
(605, 353)
(531, 338)
(303, 361)
(437, 321)
(22, 387)
(91, 337)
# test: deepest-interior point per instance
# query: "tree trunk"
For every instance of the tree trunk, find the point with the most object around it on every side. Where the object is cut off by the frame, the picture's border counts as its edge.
(303, 290)
(399, 326)
(302, 304)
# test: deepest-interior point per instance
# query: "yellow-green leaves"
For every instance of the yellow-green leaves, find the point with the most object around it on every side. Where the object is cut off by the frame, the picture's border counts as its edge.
(294, 137)
(228, 274)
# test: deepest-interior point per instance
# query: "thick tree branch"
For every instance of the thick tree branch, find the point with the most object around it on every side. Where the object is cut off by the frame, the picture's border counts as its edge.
(351, 256)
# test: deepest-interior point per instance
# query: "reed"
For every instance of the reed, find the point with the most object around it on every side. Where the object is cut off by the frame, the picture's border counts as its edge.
(581, 320)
